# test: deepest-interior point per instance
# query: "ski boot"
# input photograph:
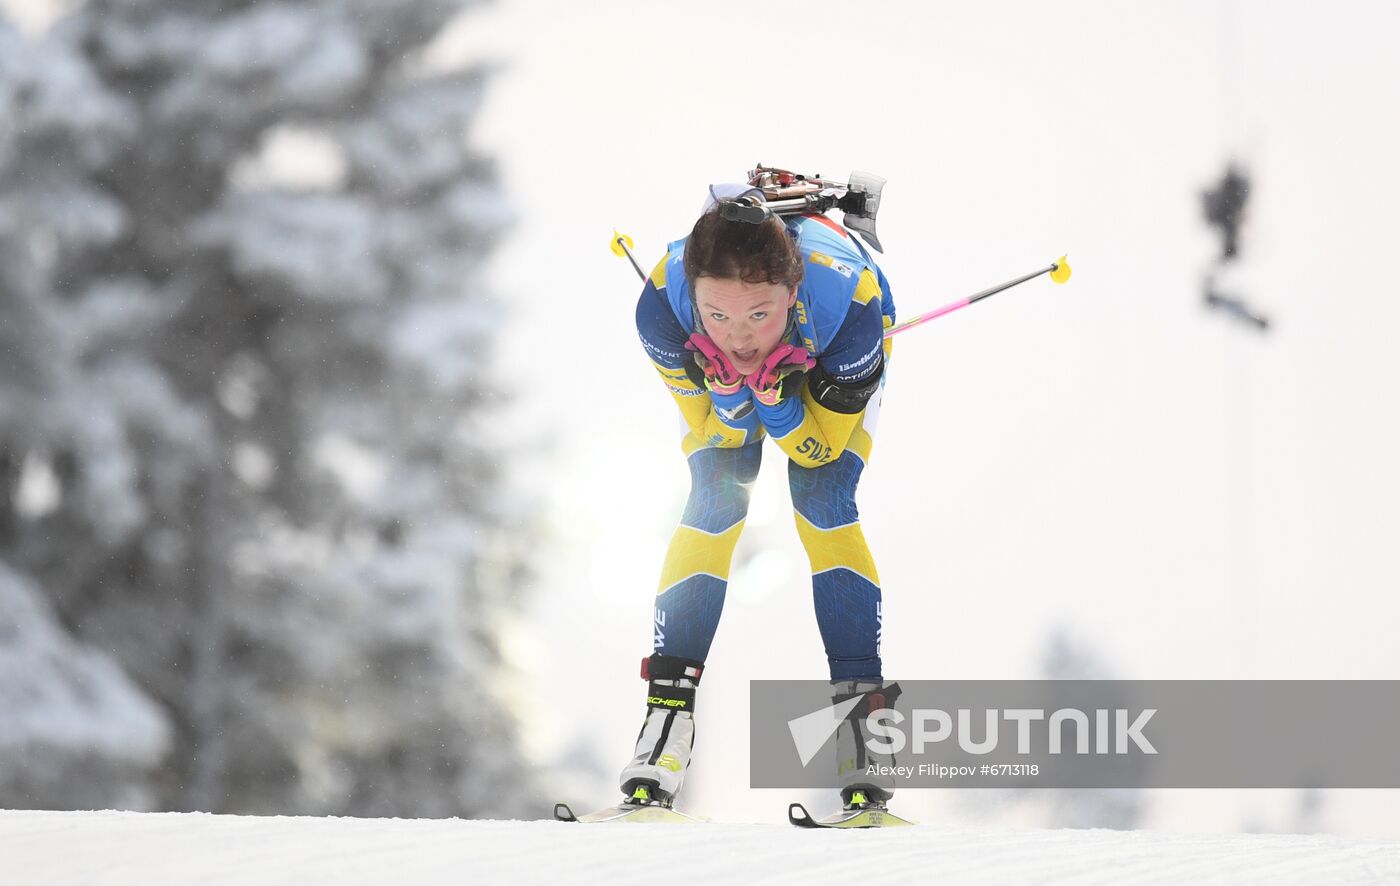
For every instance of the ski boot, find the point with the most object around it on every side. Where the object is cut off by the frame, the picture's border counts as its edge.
(864, 776)
(866, 787)
(662, 754)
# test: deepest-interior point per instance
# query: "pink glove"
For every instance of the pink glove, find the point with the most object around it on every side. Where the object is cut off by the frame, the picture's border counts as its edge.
(767, 380)
(720, 375)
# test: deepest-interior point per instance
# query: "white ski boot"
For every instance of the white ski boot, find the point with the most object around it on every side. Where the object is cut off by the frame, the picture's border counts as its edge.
(664, 743)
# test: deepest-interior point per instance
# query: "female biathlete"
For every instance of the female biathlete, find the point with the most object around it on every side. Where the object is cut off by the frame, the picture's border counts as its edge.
(763, 325)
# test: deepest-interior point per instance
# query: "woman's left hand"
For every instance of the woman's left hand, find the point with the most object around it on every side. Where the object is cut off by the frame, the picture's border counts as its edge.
(770, 381)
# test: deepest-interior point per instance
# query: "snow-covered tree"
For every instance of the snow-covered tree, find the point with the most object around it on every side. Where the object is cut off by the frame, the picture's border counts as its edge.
(78, 404)
(76, 731)
(258, 260)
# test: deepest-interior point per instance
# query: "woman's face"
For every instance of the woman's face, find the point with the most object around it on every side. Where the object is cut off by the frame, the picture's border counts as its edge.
(746, 320)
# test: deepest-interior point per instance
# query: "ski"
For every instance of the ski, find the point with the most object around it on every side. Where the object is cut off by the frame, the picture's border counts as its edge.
(640, 808)
(635, 813)
(869, 816)
(857, 815)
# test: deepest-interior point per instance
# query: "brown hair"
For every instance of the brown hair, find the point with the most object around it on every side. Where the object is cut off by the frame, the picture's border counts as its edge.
(740, 250)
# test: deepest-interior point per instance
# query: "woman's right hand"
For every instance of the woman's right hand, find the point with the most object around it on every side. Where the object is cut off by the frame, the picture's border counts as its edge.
(720, 375)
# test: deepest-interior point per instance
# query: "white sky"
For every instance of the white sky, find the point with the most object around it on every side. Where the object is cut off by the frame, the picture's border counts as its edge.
(1188, 499)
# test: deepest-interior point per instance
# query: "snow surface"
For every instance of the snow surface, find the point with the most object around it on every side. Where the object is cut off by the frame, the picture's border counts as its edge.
(156, 848)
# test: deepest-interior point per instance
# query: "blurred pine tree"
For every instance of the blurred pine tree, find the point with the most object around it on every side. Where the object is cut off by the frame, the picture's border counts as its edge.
(244, 247)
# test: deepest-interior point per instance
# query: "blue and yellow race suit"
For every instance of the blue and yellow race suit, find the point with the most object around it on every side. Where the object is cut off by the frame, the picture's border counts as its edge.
(843, 306)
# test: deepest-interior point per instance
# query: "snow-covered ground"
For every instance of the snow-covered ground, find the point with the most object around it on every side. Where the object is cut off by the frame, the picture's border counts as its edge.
(143, 848)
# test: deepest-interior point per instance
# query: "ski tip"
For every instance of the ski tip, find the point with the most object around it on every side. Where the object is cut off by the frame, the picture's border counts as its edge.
(562, 812)
(798, 815)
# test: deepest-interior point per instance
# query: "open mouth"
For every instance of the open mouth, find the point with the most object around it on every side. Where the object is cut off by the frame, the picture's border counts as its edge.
(746, 356)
